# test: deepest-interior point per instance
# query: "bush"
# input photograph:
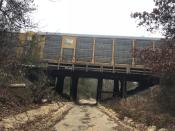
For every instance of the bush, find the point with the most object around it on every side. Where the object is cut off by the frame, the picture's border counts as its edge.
(41, 85)
(145, 108)
(166, 99)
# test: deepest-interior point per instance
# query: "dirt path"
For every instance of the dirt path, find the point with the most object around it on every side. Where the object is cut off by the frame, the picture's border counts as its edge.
(87, 118)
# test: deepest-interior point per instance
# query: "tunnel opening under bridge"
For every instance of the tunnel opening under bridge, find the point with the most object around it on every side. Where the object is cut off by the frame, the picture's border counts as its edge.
(87, 90)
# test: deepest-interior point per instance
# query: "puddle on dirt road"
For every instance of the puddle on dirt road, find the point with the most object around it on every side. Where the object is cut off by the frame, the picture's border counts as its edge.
(90, 101)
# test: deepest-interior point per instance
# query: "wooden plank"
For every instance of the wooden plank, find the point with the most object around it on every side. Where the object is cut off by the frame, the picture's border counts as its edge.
(74, 55)
(96, 64)
(61, 55)
(116, 90)
(113, 53)
(17, 85)
(123, 89)
(60, 83)
(93, 51)
(133, 53)
(154, 45)
(42, 41)
(107, 92)
(99, 89)
(74, 87)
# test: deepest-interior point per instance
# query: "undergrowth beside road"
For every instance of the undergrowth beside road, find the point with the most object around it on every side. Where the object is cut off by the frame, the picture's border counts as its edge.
(39, 87)
(18, 100)
(144, 108)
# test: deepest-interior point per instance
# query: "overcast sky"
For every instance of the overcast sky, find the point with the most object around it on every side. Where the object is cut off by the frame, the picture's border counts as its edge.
(102, 17)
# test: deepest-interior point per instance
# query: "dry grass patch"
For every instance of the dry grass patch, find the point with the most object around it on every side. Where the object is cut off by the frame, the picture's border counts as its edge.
(144, 108)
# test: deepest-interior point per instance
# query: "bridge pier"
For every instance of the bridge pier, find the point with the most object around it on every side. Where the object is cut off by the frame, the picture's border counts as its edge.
(99, 89)
(116, 90)
(123, 88)
(60, 84)
(143, 84)
(73, 88)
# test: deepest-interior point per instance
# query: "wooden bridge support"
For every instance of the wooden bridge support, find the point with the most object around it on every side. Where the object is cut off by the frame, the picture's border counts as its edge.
(73, 88)
(99, 89)
(60, 84)
(123, 89)
(116, 88)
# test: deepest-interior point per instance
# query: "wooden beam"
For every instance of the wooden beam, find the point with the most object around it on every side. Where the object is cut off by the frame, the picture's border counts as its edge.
(133, 53)
(74, 53)
(113, 53)
(41, 44)
(93, 51)
(61, 55)
(123, 89)
(17, 85)
(73, 88)
(107, 92)
(60, 84)
(116, 88)
(99, 89)
(74, 56)
(154, 46)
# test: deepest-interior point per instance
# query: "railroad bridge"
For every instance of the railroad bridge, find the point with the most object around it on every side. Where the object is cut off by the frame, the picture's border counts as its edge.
(96, 56)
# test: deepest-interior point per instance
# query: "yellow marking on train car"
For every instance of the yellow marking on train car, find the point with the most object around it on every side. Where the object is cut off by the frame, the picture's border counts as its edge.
(113, 53)
(93, 51)
(133, 53)
(41, 44)
(154, 46)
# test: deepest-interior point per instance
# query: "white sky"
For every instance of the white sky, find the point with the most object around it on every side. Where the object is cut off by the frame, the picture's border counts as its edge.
(102, 17)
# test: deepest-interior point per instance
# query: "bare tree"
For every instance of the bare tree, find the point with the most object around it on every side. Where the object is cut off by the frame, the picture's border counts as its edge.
(161, 17)
(162, 58)
(14, 16)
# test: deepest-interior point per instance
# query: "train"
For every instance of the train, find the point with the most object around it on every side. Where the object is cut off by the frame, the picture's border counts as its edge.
(95, 49)
(102, 50)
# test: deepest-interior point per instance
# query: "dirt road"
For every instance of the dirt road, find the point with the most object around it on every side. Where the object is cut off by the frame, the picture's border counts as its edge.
(87, 118)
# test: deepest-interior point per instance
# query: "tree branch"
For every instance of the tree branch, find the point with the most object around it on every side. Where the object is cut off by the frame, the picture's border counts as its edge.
(1, 2)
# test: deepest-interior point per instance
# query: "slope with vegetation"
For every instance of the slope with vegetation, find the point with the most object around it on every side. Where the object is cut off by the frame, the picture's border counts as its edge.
(37, 86)
(157, 106)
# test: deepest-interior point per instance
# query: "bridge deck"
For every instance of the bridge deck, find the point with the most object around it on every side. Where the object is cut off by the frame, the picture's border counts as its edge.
(99, 68)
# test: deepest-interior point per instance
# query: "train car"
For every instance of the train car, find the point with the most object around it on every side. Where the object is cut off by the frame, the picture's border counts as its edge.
(114, 51)
(90, 50)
